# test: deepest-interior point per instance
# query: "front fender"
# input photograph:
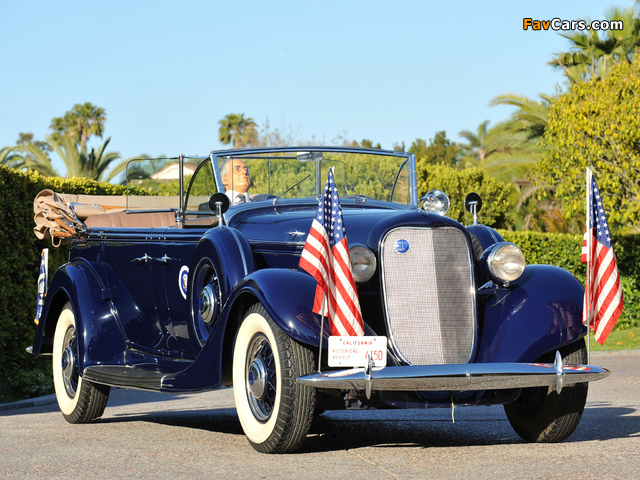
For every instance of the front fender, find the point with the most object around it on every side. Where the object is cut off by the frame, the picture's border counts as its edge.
(99, 337)
(288, 296)
(538, 313)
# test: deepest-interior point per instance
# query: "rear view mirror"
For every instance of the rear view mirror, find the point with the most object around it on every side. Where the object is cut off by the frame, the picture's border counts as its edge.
(309, 156)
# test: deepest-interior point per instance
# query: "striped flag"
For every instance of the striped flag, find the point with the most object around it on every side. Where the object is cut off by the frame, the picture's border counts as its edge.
(603, 300)
(326, 257)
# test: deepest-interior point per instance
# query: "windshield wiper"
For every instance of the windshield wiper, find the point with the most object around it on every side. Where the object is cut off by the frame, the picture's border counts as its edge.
(291, 187)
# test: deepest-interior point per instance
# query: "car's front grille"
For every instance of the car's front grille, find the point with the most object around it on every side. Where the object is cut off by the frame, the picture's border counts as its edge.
(429, 294)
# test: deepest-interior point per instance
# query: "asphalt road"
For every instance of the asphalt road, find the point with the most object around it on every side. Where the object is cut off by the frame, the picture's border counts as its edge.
(157, 436)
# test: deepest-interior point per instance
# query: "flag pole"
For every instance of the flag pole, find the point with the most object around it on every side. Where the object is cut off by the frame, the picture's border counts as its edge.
(587, 297)
(324, 299)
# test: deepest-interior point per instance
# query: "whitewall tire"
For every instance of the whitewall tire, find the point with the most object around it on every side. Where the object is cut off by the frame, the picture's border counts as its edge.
(274, 410)
(79, 401)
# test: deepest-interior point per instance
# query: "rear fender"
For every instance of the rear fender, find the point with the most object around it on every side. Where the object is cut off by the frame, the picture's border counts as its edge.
(230, 253)
(538, 313)
(101, 338)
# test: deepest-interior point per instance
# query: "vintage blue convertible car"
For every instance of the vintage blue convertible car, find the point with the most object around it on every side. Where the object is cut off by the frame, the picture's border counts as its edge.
(202, 289)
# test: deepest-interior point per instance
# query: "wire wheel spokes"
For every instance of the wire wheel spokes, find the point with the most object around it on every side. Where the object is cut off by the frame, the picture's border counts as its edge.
(260, 377)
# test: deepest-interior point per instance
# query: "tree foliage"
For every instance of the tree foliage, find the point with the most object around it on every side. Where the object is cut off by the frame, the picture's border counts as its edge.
(596, 124)
(458, 183)
(439, 150)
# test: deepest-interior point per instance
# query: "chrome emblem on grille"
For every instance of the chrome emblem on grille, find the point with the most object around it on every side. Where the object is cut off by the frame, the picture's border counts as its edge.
(401, 246)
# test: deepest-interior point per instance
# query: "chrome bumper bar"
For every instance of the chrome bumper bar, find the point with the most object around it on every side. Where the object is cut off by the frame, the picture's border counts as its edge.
(458, 377)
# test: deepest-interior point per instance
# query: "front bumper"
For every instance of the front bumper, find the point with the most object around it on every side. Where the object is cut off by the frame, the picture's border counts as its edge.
(458, 377)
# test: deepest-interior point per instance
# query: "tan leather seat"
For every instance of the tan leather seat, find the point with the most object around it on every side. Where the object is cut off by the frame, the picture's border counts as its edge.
(132, 220)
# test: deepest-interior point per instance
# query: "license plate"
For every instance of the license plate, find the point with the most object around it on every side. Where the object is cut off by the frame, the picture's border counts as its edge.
(355, 351)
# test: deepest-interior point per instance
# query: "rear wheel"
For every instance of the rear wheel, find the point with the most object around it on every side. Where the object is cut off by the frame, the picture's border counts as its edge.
(274, 410)
(544, 416)
(79, 400)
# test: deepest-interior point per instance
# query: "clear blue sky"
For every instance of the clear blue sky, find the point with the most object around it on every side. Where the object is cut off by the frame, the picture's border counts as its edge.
(167, 71)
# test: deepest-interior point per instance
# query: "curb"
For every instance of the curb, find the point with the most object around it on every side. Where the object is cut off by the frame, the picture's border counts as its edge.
(30, 402)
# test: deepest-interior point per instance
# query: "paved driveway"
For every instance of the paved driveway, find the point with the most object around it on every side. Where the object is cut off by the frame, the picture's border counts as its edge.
(148, 435)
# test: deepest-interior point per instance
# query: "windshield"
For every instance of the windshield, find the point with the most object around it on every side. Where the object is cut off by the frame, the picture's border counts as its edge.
(299, 174)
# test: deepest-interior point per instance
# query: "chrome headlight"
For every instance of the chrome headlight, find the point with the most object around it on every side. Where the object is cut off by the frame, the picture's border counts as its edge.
(503, 262)
(363, 263)
(436, 201)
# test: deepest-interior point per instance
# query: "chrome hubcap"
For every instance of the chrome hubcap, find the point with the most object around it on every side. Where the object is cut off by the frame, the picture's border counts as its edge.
(207, 303)
(68, 362)
(70, 375)
(257, 378)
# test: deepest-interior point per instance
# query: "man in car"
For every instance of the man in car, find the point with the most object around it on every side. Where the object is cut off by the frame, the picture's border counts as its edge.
(236, 180)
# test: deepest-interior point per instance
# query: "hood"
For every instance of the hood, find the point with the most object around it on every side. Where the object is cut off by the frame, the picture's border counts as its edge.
(363, 224)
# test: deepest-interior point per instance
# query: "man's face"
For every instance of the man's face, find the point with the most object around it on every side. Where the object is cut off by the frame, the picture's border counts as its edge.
(237, 177)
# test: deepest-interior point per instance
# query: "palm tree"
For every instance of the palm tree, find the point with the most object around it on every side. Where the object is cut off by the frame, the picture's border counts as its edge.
(80, 123)
(510, 150)
(88, 164)
(38, 159)
(531, 117)
(10, 157)
(236, 129)
(485, 141)
(590, 55)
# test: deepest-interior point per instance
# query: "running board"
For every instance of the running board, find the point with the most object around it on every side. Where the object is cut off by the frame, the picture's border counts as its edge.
(129, 377)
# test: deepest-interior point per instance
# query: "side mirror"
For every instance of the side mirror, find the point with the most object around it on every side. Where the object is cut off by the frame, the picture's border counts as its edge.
(473, 204)
(219, 203)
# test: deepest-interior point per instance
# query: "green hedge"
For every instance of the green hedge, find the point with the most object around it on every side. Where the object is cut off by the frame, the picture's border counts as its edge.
(21, 376)
(564, 251)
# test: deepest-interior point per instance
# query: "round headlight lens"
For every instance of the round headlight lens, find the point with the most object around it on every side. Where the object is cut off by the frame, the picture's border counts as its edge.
(436, 201)
(363, 263)
(505, 261)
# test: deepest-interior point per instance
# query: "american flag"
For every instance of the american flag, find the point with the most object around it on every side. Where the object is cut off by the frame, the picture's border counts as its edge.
(326, 257)
(603, 300)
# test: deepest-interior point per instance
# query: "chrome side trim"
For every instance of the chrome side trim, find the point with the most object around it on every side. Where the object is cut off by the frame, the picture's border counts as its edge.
(457, 377)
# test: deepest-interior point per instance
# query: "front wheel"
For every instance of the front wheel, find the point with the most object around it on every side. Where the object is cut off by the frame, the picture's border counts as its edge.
(544, 416)
(79, 400)
(274, 410)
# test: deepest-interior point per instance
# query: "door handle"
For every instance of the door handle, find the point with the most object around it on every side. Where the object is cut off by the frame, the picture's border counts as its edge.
(143, 259)
(165, 259)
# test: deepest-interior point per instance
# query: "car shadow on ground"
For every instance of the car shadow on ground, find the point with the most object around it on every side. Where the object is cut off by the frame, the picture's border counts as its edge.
(117, 397)
(340, 430)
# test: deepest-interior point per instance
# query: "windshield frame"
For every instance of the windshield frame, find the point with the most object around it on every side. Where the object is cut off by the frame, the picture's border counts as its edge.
(215, 157)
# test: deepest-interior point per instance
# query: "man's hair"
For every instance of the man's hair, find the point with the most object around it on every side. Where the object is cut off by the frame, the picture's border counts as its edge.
(224, 166)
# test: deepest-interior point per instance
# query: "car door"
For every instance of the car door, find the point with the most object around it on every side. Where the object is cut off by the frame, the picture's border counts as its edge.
(131, 258)
(170, 281)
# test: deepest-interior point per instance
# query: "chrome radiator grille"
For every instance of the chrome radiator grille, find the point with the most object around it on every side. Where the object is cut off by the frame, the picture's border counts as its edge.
(429, 295)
